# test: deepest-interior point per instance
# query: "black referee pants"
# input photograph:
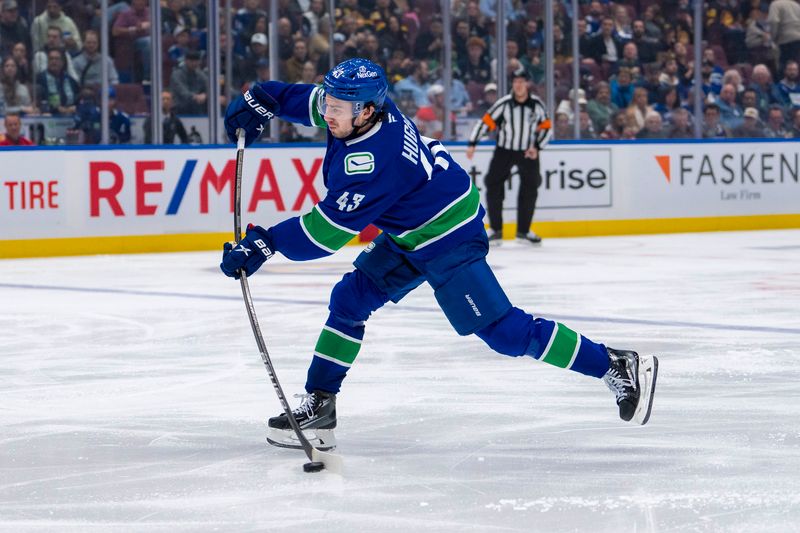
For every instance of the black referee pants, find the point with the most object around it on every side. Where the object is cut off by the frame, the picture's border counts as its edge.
(499, 172)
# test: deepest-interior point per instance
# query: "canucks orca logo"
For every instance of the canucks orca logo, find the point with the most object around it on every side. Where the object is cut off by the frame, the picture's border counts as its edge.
(359, 163)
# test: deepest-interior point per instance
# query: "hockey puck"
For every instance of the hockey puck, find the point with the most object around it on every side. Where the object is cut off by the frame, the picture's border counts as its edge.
(313, 466)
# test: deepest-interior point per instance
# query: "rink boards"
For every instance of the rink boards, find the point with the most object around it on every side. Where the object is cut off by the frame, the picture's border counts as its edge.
(70, 201)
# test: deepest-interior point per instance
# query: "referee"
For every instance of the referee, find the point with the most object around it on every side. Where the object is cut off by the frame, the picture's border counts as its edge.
(523, 129)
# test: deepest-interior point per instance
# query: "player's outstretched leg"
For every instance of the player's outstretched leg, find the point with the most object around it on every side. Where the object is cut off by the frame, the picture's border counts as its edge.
(632, 378)
(316, 416)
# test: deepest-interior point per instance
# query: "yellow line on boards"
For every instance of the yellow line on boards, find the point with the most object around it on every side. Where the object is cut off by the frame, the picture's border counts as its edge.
(189, 242)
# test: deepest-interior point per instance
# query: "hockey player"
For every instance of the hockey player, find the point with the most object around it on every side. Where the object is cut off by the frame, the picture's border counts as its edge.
(379, 170)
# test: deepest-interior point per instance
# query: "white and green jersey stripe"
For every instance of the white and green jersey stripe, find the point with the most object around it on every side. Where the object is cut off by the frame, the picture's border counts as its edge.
(324, 232)
(456, 214)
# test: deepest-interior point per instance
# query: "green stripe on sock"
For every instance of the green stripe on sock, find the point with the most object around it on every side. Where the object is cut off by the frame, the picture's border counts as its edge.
(323, 232)
(337, 347)
(560, 353)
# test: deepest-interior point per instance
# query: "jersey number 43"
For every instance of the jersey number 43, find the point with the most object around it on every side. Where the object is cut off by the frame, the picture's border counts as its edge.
(345, 204)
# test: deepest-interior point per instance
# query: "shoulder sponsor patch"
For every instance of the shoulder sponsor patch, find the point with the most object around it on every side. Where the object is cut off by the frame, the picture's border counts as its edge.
(359, 163)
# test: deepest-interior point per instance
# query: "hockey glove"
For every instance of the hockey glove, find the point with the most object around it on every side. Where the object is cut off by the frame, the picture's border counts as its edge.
(248, 255)
(250, 112)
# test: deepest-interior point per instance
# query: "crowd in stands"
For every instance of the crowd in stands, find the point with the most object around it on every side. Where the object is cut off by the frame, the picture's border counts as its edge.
(636, 61)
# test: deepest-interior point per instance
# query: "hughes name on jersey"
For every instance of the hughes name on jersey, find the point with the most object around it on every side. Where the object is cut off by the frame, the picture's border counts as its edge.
(405, 184)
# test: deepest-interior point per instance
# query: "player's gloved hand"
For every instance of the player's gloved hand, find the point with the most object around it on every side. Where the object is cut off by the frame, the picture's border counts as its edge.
(249, 254)
(250, 112)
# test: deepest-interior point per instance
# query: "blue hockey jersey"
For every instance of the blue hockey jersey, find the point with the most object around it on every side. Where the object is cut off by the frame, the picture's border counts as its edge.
(405, 184)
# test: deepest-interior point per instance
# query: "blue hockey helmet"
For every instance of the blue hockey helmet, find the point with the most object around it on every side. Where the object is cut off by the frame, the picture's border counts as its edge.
(359, 81)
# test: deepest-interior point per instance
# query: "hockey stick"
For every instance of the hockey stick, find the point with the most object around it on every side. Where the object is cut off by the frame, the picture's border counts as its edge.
(330, 461)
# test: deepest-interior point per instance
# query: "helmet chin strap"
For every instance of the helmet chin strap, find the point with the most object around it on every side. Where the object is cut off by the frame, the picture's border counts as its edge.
(358, 130)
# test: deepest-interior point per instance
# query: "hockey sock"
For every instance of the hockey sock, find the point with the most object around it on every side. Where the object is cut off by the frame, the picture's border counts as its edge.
(336, 350)
(556, 344)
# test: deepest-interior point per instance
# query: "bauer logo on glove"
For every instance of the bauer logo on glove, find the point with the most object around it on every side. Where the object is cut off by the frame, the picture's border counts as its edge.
(238, 257)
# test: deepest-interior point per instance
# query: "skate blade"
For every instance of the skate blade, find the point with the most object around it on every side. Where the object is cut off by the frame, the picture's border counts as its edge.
(321, 439)
(648, 372)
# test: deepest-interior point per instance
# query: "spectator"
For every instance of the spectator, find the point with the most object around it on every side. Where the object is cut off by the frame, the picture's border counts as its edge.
(681, 128)
(244, 21)
(587, 130)
(24, 70)
(512, 60)
(416, 85)
(478, 23)
(13, 135)
(584, 43)
(532, 35)
(532, 62)
(622, 24)
(712, 69)
(131, 33)
(285, 39)
(784, 25)
(733, 77)
(789, 86)
(669, 73)
(173, 127)
(370, 48)
(488, 100)
(652, 71)
(429, 44)
(53, 42)
(430, 119)
(293, 68)
(14, 96)
(561, 127)
(775, 127)
(668, 102)
(395, 37)
(630, 59)
(637, 110)
(173, 17)
(758, 39)
(648, 47)
(750, 99)
(651, 22)
(57, 91)
(316, 12)
(476, 65)
(87, 117)
(53, 15)
(177, 52)
(653, 126)
(616, 127)
(606, 47)
(262, 73)
(794, 133)
(119, 127)
(594, 17)
(310, 74)
(751, 125)
(731, 113)
(13, 28)
(189, 84)
(339, 53)
(767, 93)
(622, 89)
(88, 64)
(319, 42)
(567, 106)
(460, 37)
(601, 108)
(712, 127)
(459, 97)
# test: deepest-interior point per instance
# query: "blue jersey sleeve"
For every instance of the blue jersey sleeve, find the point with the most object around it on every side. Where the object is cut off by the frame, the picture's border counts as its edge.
(298, 102)
(352, 203)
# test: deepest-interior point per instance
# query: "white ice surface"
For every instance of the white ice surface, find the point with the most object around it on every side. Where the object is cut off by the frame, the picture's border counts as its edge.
(132, 397)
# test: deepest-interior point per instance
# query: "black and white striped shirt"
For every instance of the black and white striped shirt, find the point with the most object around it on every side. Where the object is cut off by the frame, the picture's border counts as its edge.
(519, 125)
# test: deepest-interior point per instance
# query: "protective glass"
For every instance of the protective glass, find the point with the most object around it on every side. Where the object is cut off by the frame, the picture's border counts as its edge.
(337, 109)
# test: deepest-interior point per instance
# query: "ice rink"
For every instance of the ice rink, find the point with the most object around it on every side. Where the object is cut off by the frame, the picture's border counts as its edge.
(132, 397)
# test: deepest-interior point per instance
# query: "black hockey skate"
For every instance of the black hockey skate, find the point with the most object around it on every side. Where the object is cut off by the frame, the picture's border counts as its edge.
(632, 378)
(495, 238)
(316, 417)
